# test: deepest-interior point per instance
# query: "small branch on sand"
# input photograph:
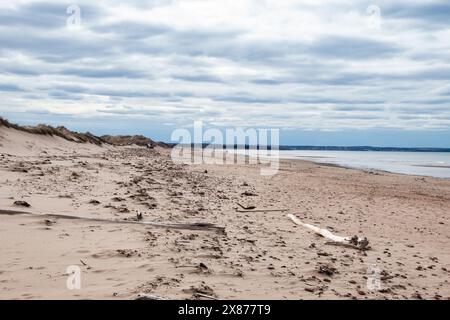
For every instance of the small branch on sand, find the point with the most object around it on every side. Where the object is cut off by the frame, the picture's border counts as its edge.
(246, 207)
(354, 242)
(143, 296)
(85, 264)
(262, 210)
(205, 226)
(253, 209)
(205, 296)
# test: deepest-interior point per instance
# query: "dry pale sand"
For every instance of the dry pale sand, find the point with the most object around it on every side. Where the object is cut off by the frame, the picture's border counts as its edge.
(261, 255)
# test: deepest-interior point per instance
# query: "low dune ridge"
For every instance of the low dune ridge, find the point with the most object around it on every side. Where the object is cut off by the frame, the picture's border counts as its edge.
(40, 134)
(137, 140)
(51, 131)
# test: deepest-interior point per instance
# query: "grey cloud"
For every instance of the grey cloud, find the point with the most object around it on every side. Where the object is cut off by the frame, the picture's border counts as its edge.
(355, 116)
(21, 70)
(432, 101)
(323, 75)
(10, 88)
(55, 48)
(198, 78)
(104, 73)
(68, 88)
(43, 15)
(132, 30)
(119, 92)
(246, 99)
(353, 48)
(61, 95)
(35, 15)
(271, 82)
(128, 110)
(349, 102)
(429, 13)
(420, 109)
(359, 108)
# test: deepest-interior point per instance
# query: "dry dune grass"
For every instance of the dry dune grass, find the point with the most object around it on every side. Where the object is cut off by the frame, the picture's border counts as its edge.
(87, 137)
(59, 132)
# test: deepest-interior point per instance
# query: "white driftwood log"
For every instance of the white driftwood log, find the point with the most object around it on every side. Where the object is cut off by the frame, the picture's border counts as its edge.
(359, 243)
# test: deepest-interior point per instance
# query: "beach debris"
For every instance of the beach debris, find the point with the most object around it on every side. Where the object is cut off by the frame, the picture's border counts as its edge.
(262, 210)
(86, 265)
(127, 252)
(20, 203)
(94, 202)
(354, 242)
(143, 296)
(202, 268)
(202, 226)
(251, 208)
(249, 194)
(199, 268)
(202, 295)
(416, 295)
(313, 289)
(49, 222)
(75, 175)
(123, 209)
(202, 290)
(327, 270)
(65, 196)
(150, 205)
(246, 207)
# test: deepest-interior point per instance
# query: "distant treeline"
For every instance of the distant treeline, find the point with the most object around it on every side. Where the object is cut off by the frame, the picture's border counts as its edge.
(334, 148)
(364, 148)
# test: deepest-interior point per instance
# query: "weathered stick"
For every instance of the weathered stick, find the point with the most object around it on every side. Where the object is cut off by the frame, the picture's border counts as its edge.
(246, 207)
(262, 210)
(149, 297)
(188, 226)
(205, 296)
(355, 242)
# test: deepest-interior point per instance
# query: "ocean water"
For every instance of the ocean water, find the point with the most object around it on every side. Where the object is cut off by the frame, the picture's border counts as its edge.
(434, 164)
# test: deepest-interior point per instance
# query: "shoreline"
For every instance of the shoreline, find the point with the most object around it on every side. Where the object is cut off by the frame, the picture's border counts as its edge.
(367, 170)
(373, 170)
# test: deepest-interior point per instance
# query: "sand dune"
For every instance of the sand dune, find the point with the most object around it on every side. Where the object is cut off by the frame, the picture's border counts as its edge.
(17, 140)
(262, 254)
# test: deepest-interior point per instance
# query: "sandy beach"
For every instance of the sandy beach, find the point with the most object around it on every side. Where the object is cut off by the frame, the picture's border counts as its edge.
(115, 190)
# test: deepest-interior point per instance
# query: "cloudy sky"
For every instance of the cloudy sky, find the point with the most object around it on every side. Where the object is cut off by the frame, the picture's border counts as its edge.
(323, 72)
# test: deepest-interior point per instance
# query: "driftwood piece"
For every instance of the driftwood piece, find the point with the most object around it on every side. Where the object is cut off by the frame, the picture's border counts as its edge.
(198, 294)
(205, 226)
(252, 208)
(85, 264)
(262, 210)
(144, 296)
(354, 242)
(246, 207)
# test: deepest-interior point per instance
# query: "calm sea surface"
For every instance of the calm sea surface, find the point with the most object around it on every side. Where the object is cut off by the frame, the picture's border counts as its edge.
(435, 164)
